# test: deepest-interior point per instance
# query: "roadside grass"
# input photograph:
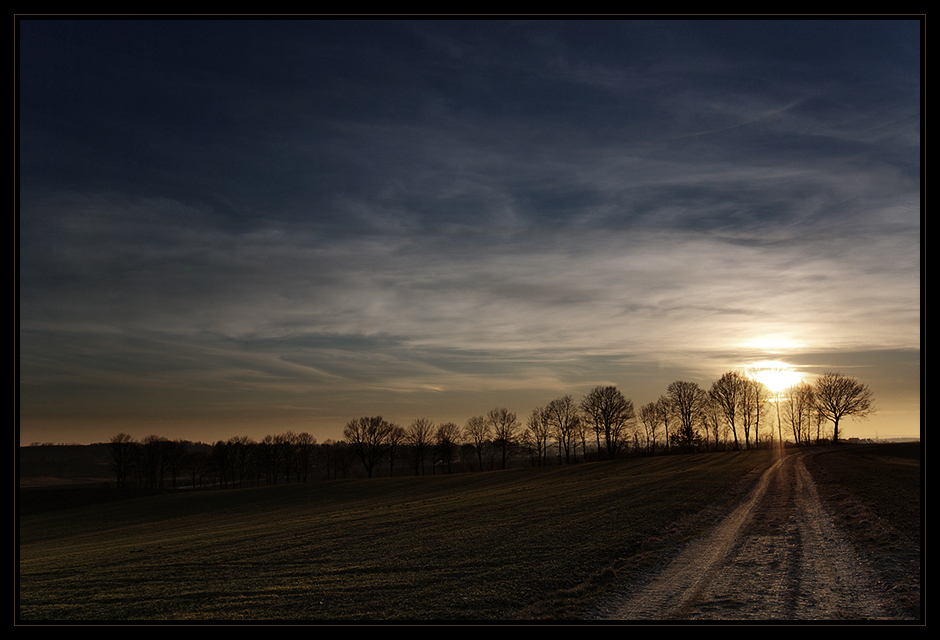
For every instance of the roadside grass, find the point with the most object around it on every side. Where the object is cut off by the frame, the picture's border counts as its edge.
(519, 544)
(875, 492)
(886, 478)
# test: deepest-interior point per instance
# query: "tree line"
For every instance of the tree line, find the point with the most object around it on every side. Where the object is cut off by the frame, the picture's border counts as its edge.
(738, 411)
(735, 412)
(159, 463)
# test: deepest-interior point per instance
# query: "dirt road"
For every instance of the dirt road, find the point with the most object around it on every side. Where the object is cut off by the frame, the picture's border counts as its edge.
(776, 556)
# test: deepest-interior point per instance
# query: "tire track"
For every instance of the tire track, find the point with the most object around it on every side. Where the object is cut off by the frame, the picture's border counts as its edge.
(775, 556)
(834, 581)
(673, 591)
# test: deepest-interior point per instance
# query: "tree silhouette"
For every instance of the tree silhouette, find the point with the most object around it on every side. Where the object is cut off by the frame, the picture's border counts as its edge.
(284, 450)
(561, 414)
(838, 396)
(537, 433)
(726, 392)
(712, 421)
(447, 439)
(305, 446)
(609, 413)
(198, 465)
(154, 460)
(122, 457)
(369, 437)
(505, 430)
(173, 452)
(687, 400)
(396, 437)
(649, 418)
(799, 405)
(667, 415)
(477, 432)
(419, 435)
(581, 429)
(241, 457)
(337, 457)
(269, 459)
(754, 399)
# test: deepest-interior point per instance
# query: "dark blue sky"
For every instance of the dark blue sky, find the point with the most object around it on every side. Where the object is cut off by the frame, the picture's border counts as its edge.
(239, 227)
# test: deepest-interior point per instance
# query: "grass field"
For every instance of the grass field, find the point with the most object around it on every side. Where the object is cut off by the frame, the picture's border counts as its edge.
(520, 544)
(886, 478)
(875, 493)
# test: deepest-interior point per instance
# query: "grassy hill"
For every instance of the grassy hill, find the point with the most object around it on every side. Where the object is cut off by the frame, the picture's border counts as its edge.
(519, 544)
(509, 544)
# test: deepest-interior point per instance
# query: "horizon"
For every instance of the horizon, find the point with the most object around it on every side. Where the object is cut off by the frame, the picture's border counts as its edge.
(592, 448)
(247, 227)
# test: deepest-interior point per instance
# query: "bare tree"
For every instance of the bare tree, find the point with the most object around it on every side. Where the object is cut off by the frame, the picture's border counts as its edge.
(713, 422)
(284, 451)
(306, 446)
(799, 405)
(396, 437)
(122, 457)
(221, 463)
(198, 464)
(173, 452)
(241, 457)
(337, 457)
(838, 396)
(649, 418)
(687, 400)
(505, 430)
(325, 453)
(369, 436)
(154, 460)
(594, 425)
(667, 415)
(268, 460)
(447, 439)
(561, 414)
(609, 413)
(727, 392)
(755, 398)
(537, 433)
(477, 432)
(419, 435)
(581, 429)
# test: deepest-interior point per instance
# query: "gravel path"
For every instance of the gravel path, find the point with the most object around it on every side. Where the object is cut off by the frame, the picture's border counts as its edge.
(777, 555)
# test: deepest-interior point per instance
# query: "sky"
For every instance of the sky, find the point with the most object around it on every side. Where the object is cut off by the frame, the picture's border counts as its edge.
(245, 227)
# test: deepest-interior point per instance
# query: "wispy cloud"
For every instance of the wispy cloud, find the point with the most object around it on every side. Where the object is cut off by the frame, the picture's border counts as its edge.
(420, 208)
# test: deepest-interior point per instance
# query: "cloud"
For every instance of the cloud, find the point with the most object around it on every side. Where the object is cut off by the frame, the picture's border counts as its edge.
(421, 208)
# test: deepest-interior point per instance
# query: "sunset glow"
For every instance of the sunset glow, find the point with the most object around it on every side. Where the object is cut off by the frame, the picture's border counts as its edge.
(775, 375)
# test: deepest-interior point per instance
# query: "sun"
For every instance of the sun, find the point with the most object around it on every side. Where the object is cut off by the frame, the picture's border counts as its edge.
(776, 375)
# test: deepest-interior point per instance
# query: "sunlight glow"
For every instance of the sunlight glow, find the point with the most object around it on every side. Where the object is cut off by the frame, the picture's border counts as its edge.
(775, 374)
